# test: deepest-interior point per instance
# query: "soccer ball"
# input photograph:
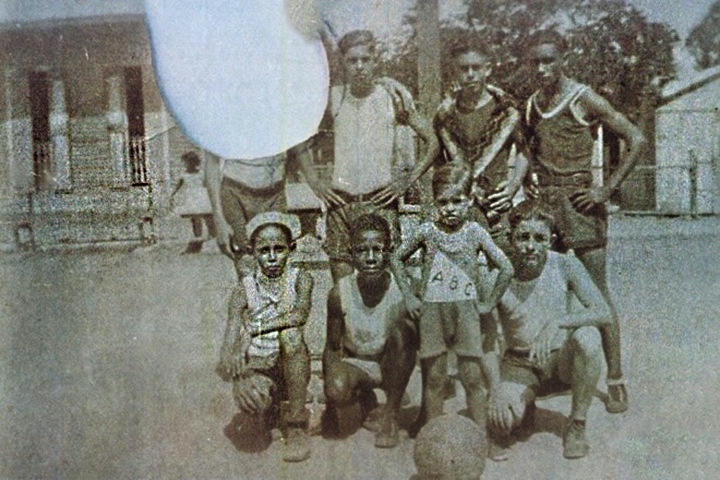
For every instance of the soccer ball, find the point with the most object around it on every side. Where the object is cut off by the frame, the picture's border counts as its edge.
(451, 446)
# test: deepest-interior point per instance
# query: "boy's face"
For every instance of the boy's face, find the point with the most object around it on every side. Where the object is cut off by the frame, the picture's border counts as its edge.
(530, 242)
(547, 61)
(472, 69)
(360, 64)
(370, 253)
(452, 206)
(271, 250)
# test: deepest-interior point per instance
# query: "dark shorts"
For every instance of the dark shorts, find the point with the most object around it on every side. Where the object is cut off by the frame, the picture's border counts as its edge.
(241, 203)
(454, 326)
(575, 229)
(340, 220)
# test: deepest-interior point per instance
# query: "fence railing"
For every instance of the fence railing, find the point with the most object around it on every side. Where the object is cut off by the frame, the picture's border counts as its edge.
(138, 161)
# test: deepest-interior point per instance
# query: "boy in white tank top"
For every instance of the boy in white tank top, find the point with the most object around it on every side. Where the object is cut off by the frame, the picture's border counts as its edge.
(264, 352)
(370, 338)
(549, 347)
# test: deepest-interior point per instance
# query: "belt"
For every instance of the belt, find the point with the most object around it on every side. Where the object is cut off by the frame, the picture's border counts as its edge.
(524, 354)
(581, 179)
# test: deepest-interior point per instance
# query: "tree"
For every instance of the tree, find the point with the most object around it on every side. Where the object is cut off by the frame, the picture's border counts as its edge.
(614, 47)
(704, 40)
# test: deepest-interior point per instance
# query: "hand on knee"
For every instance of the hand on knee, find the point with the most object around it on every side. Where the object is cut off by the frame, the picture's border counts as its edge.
(253, 394)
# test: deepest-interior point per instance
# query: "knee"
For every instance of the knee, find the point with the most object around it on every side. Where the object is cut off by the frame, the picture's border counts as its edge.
(587, 341)
(436, 380)
(292, 342)
(337, 387)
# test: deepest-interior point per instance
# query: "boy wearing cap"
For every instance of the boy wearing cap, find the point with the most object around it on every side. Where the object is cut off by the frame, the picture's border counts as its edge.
(264, 352)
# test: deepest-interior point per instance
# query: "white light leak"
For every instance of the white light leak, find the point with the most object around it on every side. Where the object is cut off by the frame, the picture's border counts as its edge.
(239, 79)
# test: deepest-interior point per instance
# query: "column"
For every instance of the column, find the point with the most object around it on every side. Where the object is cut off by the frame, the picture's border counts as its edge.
(59, 138)
(117, 125)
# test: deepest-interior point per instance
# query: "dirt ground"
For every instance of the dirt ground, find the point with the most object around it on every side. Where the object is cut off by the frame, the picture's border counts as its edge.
(107, 363)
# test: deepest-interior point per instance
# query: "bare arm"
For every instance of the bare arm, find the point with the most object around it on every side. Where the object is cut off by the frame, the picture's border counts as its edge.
(497, 258)
(236, 340)
(599, 108)
(335, 329)
(397, 265)
(296, 316)
(597, 311)
(213, 177)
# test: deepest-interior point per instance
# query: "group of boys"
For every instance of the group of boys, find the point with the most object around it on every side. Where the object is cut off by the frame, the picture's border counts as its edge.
(483, 260)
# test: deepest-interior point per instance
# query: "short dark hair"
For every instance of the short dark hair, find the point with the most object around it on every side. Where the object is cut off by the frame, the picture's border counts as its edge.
(531, 210)
(469, 45)
(452, 174)
(192, 161)
(357, 38)
(552, 37)
(371, 222)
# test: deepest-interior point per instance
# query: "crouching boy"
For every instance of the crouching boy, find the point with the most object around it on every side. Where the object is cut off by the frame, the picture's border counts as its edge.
(264, 352)
(549, 346)
(370, 337)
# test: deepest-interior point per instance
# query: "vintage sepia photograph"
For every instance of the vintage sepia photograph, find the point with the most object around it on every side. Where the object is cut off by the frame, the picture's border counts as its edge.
(359, 239)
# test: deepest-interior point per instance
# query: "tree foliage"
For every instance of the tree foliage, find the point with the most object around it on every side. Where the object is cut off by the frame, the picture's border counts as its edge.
(614, 47)
(704, 40)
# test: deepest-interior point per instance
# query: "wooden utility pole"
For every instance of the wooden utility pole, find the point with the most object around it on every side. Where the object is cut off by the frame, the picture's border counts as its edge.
(428, 39)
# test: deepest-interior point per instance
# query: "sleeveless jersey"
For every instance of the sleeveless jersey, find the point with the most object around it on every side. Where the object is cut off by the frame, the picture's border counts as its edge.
(561, 139)
(538, 303)
(370, 145)
(451, 269)
(366, 328)
(276, 294)
(473, 131)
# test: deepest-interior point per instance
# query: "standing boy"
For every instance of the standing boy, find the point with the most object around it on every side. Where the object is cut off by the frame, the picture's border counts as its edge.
(264, 352)
(453, 312)
(478, 125)
(559, 121)
(374, 123)
(548, 346)
(370, 336)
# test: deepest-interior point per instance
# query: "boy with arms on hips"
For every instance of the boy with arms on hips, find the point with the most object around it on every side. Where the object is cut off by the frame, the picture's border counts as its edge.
(559, 121)
(371, 340)
(264, 351)
(453, 312)
(549, 347)
(478, 125)
(374, 123)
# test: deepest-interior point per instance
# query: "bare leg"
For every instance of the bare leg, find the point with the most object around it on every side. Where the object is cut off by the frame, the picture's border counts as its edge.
(472, 381)
(295, 367)
(595, 263)
(436, 376)
(397, 364)
(296, 375)
(583, 361)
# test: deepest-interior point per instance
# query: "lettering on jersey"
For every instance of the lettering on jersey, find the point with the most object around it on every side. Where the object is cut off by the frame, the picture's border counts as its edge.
(447, 282)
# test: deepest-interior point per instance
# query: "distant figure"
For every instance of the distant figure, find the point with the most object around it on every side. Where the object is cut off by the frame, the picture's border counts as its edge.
(559, 122)
(264, 352)
(550, 347)
(478, 125)
(190, 199)
(452, 309)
